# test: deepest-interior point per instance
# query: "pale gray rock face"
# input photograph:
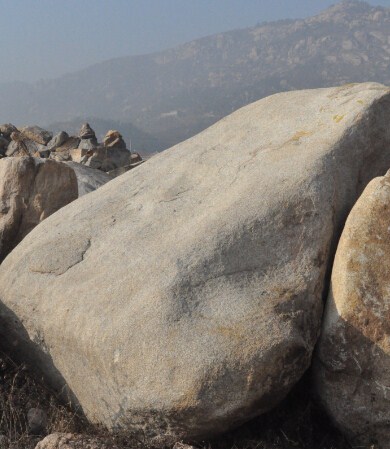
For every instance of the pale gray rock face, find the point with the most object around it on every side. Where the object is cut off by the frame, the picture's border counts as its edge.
(88, 179)
(189, 291)
(352, 364)
(31, 189)
(37, 134)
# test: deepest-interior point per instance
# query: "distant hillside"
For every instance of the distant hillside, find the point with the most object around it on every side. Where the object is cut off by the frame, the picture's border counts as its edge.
(174, 94)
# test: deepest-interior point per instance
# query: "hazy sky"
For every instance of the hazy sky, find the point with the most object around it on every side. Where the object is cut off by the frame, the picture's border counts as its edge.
(47, 38)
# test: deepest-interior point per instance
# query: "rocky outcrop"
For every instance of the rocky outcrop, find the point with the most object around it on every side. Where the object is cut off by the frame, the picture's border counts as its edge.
(31, 189)
(85, 149)
(352, 369)
(191, 300)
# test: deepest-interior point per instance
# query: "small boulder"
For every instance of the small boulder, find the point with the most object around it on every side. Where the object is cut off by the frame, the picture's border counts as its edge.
(73, 441)
(37, 421)
(58, 140)
(37, 134)
(114, 138)
(86, 132)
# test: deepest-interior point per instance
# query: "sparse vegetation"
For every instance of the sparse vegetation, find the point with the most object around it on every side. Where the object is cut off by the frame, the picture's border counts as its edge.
(19, 392)
(298, 423)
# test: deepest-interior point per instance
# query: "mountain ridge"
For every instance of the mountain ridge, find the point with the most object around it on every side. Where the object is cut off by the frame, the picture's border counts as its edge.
(176, 93)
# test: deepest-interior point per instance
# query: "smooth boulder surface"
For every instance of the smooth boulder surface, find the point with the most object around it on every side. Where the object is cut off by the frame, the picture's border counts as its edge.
(31, 189)
(88, 179)
(185, 297)
(352, 364)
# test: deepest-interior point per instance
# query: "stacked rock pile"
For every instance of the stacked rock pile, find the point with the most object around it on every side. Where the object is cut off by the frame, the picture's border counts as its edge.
(84, 148)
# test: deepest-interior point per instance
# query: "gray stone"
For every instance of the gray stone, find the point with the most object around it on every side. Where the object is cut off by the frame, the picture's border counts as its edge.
(88, 179)
(58, 140)
(189, 291)
(36, 420)
(352, 364)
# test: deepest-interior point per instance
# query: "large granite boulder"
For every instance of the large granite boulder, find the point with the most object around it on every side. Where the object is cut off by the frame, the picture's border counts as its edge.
(352, 365)
(185, 297)
(88, 179)
(31, 189)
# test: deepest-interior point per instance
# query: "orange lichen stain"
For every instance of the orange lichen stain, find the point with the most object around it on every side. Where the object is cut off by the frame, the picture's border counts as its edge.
(338, 118)
(298, 135)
